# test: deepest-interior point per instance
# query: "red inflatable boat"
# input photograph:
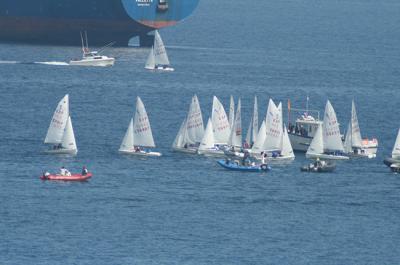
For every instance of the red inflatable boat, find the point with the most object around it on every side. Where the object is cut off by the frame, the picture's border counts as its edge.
(72, 177)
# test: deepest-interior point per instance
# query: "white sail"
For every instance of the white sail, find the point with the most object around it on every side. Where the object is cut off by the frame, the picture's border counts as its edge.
(249, 136)
(286, 147)
(220, 122)
(331, 132)
(180, 137)
(127, 142)
(396, 148)
(68, 141)
(58, 122)
(208, 139)
(356, 139)
(151, 63)
(142, 135)
(260, 139)
(317, 143)
(194, 130)
(348, 145)
(255, 119)
(160, 54)
(231, 116)
(235, 138)
(274, 127)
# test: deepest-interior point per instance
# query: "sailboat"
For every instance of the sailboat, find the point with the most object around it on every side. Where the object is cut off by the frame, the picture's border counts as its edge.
(191, 131)
(252, 130)
(354, 145)
(138, 135)
(158, 58)
(276, 144)
(235, 137)
(92, 58)
(395, 158)
(208, 146)
(327, 142)
(231, 116)
(60, 133)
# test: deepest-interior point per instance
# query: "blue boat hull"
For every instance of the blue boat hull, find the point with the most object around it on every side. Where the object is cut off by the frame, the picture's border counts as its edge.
(60, 21)
(235, 167)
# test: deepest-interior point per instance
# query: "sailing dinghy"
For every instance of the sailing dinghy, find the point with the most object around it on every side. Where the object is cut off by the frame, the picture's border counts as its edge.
(354, 145)
(252, 130)
(327, 142)
(158, 58)
(138, 136)
(216, 135)
(395, 158)
(276, 143)
(60, 133)
(191, 131)
(207, 146)
(235, 137)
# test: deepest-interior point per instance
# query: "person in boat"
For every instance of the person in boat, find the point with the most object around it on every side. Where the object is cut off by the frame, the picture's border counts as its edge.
(264, 158)
(84, 171)
(245, 159)
(64, 171)
(185, 146)
(246, 144)
(137, 149)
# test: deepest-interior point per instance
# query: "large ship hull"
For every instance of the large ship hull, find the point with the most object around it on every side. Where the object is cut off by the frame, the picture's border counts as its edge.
(60, 21)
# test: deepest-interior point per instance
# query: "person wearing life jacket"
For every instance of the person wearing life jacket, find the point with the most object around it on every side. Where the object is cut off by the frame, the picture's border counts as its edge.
(64, 171)
(84, 171)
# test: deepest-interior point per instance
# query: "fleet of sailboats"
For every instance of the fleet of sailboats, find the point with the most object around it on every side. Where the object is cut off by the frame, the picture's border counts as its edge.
(158, 58)
(223, 134)
(139, 137)
(60, 134)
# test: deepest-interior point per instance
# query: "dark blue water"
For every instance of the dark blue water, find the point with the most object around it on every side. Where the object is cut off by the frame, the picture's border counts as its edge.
(183, 209)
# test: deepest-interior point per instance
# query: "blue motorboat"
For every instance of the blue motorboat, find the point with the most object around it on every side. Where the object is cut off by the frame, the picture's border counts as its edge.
(236, 166)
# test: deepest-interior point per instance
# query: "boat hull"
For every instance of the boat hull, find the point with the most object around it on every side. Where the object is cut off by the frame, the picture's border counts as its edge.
(73, 177)
(299, 143)
(326, 156)
(324, 169)
(389, 161)
(60, 21)
(235, 167)
(211, 152)
(99, 63)
(185, 150)
(61, 152)
(141, 153)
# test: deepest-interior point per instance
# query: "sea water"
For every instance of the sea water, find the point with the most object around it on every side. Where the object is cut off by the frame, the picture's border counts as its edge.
(185, 209)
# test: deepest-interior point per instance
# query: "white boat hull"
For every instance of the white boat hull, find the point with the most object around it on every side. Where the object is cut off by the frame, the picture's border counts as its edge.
(61, 151)
(140, 153)
(211, 152)
(300, 143)
(326, 156)
(94, 62)
(159, 68)
(185, 150)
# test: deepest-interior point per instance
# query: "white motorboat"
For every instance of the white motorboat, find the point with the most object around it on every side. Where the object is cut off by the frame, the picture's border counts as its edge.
(139, 137)
(354, 145)
(191, 131)
(327, 142)
(158, 58)
(303, 130)
(92, 58)
(61, 133)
